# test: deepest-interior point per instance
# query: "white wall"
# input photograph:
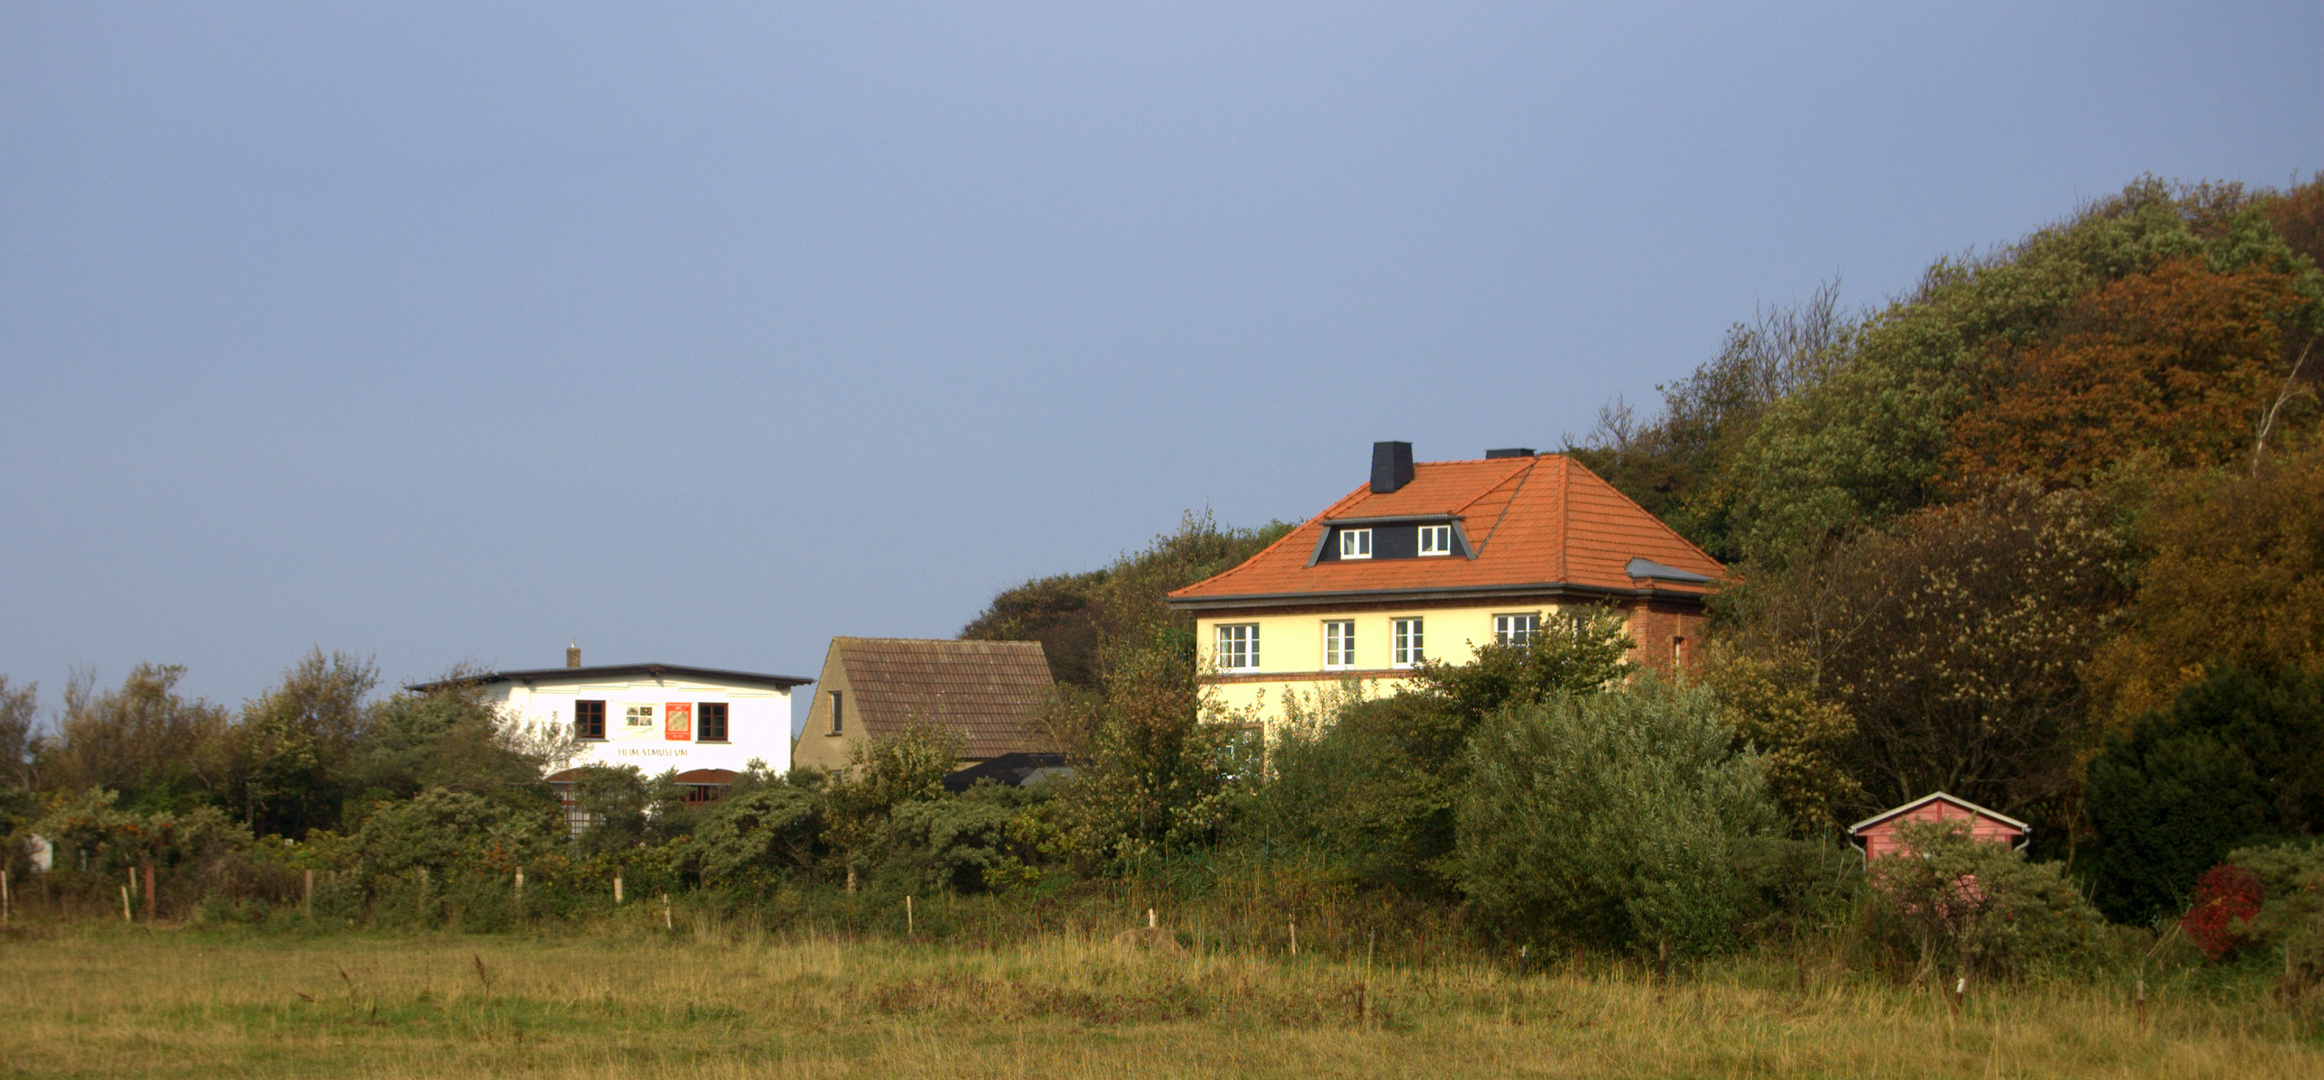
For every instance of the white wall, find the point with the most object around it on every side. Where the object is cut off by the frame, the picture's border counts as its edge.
(758, 721)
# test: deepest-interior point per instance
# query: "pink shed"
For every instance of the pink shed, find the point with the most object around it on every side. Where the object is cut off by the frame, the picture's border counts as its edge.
(1877, 834)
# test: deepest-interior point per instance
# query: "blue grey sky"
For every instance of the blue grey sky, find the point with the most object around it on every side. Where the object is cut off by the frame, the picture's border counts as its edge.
(702, 333)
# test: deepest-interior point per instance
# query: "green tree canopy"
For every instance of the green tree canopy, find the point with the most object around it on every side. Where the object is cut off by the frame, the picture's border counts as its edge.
(2239, 758)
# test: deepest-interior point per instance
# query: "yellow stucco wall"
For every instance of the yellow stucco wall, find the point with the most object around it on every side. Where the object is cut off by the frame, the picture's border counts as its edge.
(1293, 645)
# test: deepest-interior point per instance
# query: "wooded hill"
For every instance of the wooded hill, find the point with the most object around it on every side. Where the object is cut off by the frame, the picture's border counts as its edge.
(1984, 529)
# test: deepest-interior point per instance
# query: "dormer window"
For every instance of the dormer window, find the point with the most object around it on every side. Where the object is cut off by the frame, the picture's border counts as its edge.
(1436, 539)
(1355, 543)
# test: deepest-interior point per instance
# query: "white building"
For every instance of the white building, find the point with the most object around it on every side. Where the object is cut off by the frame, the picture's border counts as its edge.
(705, 723)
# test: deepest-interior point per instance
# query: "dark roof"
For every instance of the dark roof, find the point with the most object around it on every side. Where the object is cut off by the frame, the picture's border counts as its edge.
(1648, 568)
(585, 674)
(1015, 770)
(989, 692)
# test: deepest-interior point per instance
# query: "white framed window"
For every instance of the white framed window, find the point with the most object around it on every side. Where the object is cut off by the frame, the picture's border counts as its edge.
(1407, 646)
(1339, 644)
(1238, 647)
(638, 715)
(1517, 630)
(1355, 543)
(1436, 539)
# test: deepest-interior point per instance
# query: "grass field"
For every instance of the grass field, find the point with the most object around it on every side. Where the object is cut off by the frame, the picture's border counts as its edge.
(705, 1002)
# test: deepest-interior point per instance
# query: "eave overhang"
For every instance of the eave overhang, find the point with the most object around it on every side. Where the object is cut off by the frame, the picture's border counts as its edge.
(615, 671)
(1544, 589)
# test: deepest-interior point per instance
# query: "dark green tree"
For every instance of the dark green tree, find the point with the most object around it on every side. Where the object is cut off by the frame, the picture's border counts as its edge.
(292, 747)
(450, 738)
(1061, 612)
(2238, 759)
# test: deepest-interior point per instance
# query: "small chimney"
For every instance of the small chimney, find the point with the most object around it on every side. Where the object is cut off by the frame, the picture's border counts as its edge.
(1391, 466)
(573, 655)
(1513, 451)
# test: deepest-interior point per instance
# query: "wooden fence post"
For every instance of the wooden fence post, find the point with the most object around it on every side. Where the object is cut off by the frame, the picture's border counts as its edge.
(617, 889)
(125, 904)
(308, 904)
(150, 906)
(1364, 998)
(3, 897)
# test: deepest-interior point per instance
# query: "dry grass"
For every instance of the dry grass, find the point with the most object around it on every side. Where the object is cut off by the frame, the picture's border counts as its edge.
(708, 1002)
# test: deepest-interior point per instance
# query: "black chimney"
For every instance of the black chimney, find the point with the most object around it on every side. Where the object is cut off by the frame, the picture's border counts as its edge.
(1514, 451)
(1391, 466)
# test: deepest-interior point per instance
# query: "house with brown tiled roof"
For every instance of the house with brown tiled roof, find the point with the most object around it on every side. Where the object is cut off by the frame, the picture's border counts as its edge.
(989, 693)
(1432, 559)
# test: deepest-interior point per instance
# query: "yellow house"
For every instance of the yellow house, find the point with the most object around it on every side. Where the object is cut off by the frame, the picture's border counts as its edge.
(1430, 560)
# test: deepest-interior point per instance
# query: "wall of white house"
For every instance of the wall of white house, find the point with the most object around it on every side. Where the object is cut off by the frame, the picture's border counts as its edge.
(758, 722)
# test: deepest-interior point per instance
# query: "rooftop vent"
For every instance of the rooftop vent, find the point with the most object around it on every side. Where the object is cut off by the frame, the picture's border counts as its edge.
(1513, 451)
(1391, 466)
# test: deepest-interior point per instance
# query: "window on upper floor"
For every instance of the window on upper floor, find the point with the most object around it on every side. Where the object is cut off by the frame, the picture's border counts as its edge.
(1577, 622)
(1518, 630)
(1355, 543)
(1339, 644)
(1407, 643)
(1436, 539)
(838, 700)
(1238, 647)
(711, 718)
(589, 720)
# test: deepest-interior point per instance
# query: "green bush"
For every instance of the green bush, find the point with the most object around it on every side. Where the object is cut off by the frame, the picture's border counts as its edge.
(1615, 820)
(2238, 758)
(1369, 790)
(443, 831)
(987, 837)
(1949, 904)
(759, 834)
(2291, 915)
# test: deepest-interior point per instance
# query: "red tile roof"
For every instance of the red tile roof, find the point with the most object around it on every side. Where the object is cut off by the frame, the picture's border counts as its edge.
(1542, 520)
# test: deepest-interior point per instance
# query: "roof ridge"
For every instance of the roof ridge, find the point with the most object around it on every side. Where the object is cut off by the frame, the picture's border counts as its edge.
(1523, 474)
(1656, 519)
(1525, 467)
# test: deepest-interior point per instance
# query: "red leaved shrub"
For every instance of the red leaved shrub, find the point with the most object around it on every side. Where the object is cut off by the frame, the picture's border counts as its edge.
(2226, 900)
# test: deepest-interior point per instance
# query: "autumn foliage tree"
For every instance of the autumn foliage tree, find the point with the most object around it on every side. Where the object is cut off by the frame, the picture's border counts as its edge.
(2233, 574)
(1952, 640)
(2175, 365)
